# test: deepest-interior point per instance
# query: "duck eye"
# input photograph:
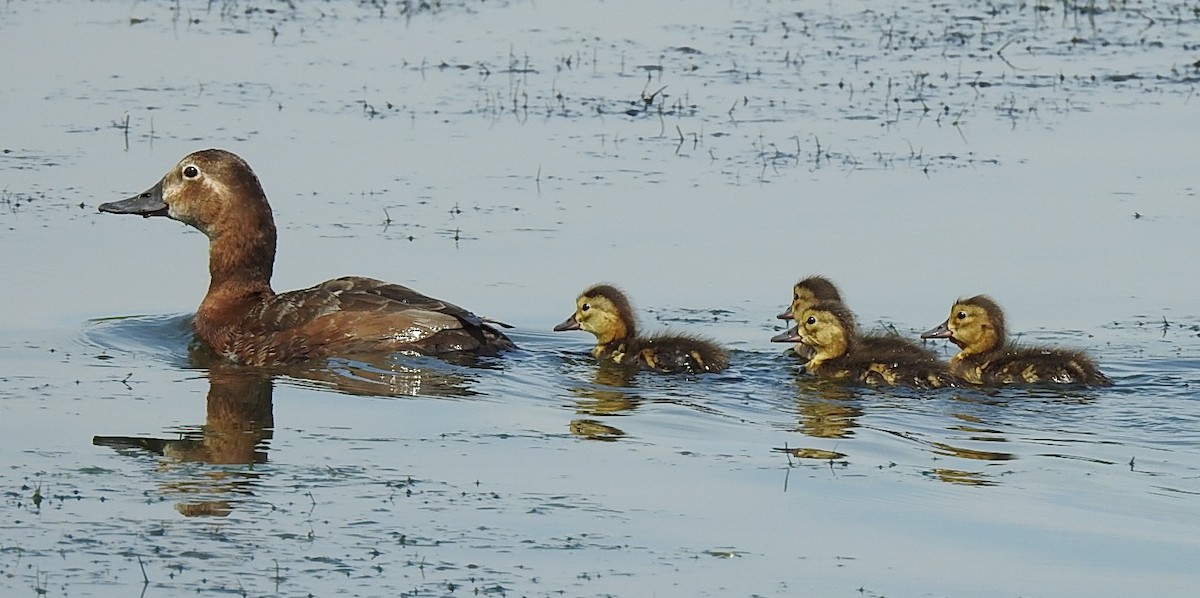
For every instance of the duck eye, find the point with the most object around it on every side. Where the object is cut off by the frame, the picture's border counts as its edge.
(585, 307)
(190, 172)
(811, 320)
(962, 315)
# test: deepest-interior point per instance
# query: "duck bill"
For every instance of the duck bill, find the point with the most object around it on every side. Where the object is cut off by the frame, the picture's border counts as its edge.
(568, 324)
(146, 204)
(791, 335)
(785, 314)
(942, 331)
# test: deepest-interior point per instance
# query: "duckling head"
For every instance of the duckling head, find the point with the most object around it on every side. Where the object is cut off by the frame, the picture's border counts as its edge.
(807, 293)
(604, 311)
(829, 329)
(976, 325)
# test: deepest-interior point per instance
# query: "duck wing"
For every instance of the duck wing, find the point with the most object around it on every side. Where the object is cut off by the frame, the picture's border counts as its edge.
(1042, 365)
(356, 315)
(360, 295)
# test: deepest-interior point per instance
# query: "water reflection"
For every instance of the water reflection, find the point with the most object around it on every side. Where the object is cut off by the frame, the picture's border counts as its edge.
(239, 421)
(595, 430)
(238, 426)
(382, 374)
(826, 409)
(607, 396)
(964, 478)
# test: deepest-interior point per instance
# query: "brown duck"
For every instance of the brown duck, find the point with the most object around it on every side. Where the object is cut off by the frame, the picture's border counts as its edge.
(243, 320)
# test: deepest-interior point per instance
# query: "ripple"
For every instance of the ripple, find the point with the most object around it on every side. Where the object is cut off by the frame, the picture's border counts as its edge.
(159, 338)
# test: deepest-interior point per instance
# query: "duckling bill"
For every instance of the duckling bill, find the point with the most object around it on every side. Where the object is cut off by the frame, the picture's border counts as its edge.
(986, 356)
(605, 311)
(830, 331)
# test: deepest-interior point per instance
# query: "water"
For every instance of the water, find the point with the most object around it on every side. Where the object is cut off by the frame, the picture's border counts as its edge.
(507, 155)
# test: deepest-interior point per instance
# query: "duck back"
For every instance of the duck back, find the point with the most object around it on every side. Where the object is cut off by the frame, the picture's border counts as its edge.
(355, 315)
(678, 353)
(1032, 365)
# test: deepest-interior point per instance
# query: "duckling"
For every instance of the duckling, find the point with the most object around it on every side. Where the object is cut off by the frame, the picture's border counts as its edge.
(814, 289)
(605, 311)
(986, 357)
(807, 292)
(830, 331)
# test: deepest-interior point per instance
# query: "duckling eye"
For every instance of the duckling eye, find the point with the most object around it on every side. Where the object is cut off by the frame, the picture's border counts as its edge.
(585, 307)
(962, 315)
(190, 172)
(811, 320)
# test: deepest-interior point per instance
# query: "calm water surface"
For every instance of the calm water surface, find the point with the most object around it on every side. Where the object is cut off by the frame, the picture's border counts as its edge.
(505, 155)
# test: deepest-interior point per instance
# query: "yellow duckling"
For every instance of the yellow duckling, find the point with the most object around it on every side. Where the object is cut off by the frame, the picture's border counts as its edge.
(829, 330)
(815, 289)
(986, 357)
(604, 311)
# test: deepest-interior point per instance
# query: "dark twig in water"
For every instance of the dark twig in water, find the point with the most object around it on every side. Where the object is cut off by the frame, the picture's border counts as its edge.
(278, 578)
(125, 127)
(1001, 56)
(145, 578)
(957, 122)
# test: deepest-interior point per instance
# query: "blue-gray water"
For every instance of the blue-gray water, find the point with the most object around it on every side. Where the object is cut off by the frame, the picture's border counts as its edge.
(505, 155)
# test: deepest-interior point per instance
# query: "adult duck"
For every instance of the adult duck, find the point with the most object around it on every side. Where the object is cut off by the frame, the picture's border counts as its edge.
(243, 320)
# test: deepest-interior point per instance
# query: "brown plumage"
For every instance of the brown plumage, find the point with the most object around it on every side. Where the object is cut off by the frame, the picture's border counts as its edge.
(815, 289)
(604, 311)
(829, 330)
(243, 320)
(976, 325)
(807, 293)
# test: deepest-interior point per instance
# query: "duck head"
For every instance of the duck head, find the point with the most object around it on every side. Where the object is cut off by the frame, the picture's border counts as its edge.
(604, 311)
(828, 328)
(218, 194)
(976, 325)
(212, 190)
(808, 292)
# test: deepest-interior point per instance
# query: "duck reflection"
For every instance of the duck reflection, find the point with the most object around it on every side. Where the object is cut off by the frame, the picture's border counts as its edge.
(967, 428)
(381, 375)
(962, 478)
(826, 409)
(239, 421)
(238, 425)
(609, 395)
